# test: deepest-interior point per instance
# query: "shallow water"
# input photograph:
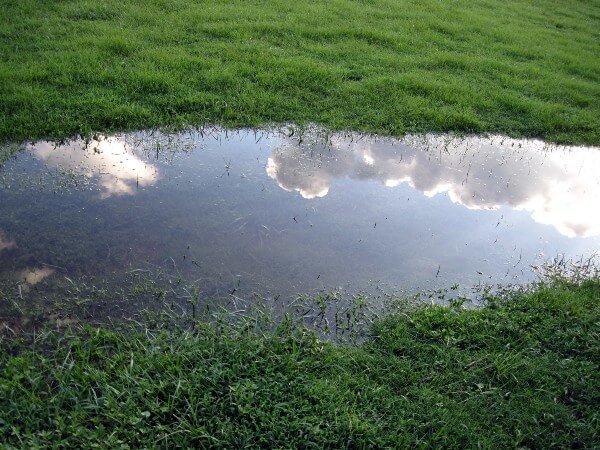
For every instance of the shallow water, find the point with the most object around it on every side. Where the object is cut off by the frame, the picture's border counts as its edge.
(266, 212)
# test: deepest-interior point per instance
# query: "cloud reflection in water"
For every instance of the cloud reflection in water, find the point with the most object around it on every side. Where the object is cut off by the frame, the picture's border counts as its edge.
(5, 243)
(34, 275)
(558, 186)
(118, 169)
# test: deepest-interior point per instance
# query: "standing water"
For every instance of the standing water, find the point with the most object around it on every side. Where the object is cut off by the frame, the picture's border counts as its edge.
(248, 211)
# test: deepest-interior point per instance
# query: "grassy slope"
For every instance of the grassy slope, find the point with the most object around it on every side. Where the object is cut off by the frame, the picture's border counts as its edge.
(516, 66)
(517, 373)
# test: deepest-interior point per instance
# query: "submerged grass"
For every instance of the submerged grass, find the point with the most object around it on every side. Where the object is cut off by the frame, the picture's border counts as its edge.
(519, 372)
(515, 66)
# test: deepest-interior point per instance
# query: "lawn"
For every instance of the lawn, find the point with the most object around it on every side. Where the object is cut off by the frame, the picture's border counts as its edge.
(519, 67)
(522, 372)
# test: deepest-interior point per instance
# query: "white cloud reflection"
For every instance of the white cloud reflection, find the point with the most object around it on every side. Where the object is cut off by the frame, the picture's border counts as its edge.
(112, 162)
(5, 243)
(35, 275)
(558, 186)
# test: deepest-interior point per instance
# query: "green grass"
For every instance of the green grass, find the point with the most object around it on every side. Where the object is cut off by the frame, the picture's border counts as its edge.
(519, 67)
(521, 372)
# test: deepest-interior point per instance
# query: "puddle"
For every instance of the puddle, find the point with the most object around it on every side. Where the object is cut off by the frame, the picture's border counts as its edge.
(248, 211)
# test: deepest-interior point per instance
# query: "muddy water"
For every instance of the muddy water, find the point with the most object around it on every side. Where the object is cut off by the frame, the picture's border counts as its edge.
(252, 211)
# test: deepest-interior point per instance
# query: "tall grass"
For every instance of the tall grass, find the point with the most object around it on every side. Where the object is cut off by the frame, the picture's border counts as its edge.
(520, 372)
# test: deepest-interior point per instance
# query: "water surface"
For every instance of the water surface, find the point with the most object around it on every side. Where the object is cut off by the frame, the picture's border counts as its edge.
(266, 212)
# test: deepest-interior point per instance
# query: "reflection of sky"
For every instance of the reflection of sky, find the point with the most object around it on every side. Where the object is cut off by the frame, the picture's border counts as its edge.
(118, 169)
(30, 275)
(460, 211)
(5, 243)
(34, 275)
(557, 186)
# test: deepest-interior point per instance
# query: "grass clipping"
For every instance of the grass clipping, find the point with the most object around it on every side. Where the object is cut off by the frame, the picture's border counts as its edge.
(522, 371)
